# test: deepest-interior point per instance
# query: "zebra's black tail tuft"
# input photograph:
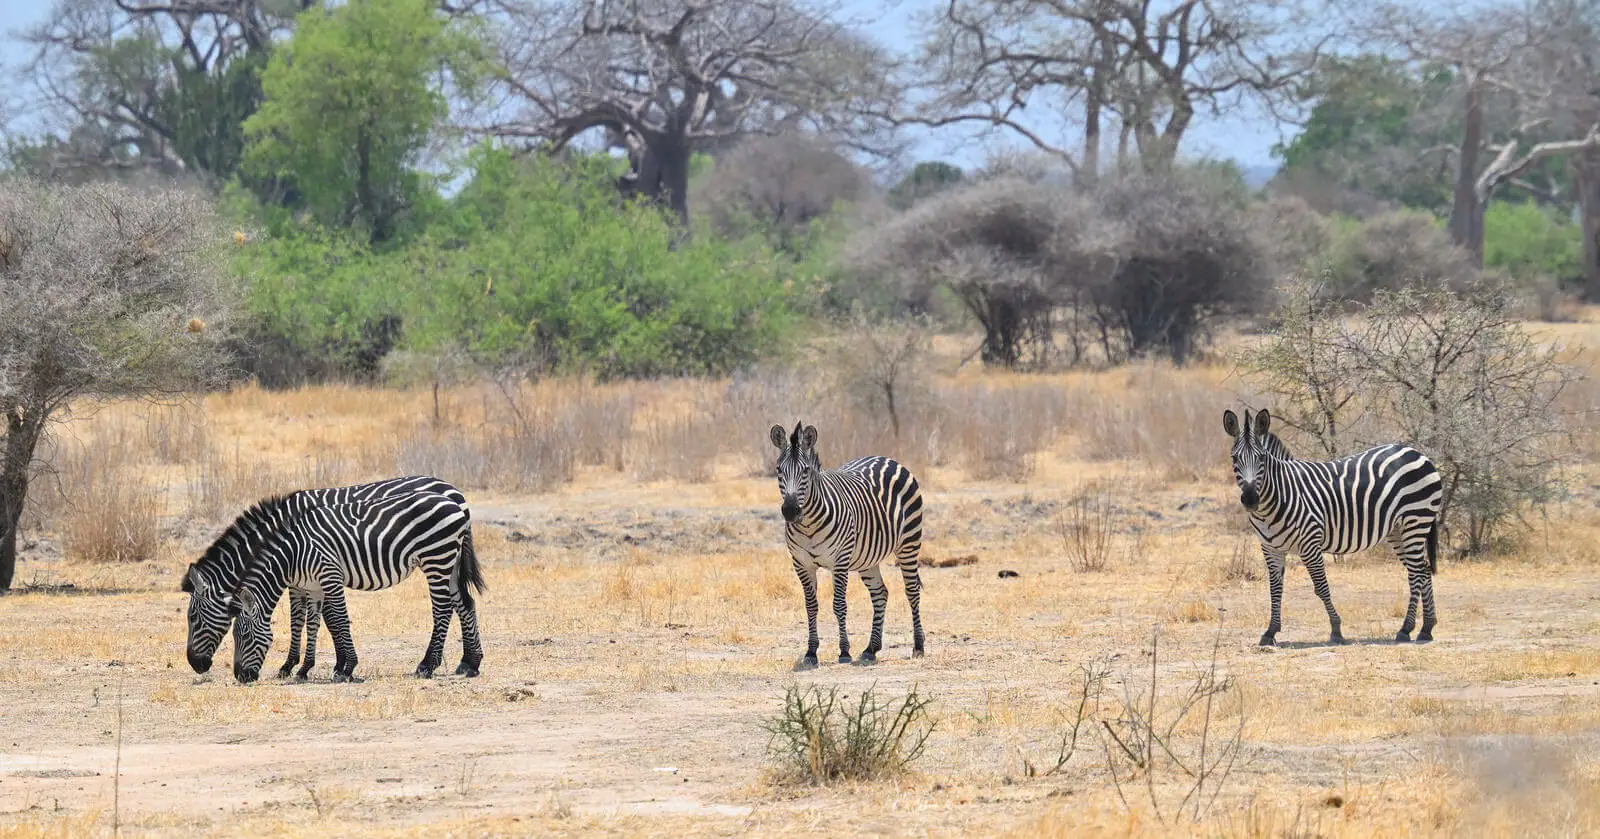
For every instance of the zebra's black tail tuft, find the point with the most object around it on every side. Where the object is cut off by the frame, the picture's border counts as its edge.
(1433, 547)
(468, 571)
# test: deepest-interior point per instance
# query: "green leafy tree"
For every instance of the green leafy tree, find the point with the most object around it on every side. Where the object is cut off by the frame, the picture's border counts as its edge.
(352, 100)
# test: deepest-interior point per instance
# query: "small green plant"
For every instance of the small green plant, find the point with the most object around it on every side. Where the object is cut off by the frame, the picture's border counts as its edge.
(821, 737)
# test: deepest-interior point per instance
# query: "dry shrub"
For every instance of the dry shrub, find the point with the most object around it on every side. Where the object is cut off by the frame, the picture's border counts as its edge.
(1088, 529)
(1391, 251)
(224, 481)
(680, 449)
(818, 739)
(112, 514)
(176, 434)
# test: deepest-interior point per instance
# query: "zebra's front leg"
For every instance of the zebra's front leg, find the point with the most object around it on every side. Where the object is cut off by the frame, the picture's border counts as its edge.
(808, 585)
(344, 645)
(297, 619)
(443, 603)
(1275, 563)
(1319, 583)
(873, 580)
(841, 577)
(313, 628)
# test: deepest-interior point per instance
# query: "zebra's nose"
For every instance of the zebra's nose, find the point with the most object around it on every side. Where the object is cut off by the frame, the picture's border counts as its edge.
(790, 510)
(245, 676)
(200, 663)
(1249, 498)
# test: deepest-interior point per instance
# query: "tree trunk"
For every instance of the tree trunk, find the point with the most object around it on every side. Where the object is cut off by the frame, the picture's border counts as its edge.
(675, 180)
(22, 435)
(1466, 214)
(661, 173)
(1586, 171)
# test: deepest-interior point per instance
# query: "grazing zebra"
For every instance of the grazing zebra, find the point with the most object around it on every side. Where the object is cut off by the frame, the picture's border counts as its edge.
(849, 519)
(218, 571)
(1338, 507)
(367, 546)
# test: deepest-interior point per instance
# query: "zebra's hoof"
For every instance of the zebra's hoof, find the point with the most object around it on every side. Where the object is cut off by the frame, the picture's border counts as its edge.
(1337, 640)
(284, 671)
(917, 653)
(468, 670)
(1402, 637)
(1424, 637)
(1268, 641)
(348, 677)
(867, 659)
(424, 671)
(808, 662)
(845, 659)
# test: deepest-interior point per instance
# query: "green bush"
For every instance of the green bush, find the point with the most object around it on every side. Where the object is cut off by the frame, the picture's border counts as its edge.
(1529, 242)
(535, 265)
(818, 738)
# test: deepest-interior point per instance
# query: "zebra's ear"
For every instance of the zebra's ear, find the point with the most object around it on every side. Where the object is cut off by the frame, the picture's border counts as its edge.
(1263, 422)
(188, 584)
(233, 604)
(777, 436)
(1230, 423)
(808, 437)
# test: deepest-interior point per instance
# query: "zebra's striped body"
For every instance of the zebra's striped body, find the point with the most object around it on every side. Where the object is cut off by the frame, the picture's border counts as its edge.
(217, 572)
(1341, 506)
(849, 520)
(367, 546)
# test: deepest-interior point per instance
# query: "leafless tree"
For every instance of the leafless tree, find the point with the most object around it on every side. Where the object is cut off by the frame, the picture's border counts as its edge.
(108, 292)
(665, 78)
(1510, 56)
(1155, 67)
(99, 69)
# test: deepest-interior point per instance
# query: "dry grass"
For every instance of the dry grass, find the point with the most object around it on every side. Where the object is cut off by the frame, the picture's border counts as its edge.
(642, 620)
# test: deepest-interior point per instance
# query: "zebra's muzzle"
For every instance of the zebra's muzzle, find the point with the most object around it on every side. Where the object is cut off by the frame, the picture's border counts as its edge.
(244, 676)
(790, 510)
(1249, 498)
(200, 663)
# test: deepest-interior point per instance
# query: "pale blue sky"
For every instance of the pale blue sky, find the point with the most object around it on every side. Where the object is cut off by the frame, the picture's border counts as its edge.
(1244, 137)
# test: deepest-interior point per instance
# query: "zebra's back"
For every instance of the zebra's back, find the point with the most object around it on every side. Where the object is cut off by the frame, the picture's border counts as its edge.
(377, 542)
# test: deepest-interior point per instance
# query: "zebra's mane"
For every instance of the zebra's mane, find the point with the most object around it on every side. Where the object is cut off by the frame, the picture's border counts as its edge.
(255, 519)
(1275, 447)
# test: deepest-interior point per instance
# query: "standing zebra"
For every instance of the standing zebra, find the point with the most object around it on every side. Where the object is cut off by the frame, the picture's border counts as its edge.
(1338, 507)
(849, 519)
(218, 571)
(367, 546)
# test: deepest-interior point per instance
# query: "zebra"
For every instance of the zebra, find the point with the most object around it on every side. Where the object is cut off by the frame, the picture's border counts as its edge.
(217, 572)
(1336, 507)
(364, 545)
(849, 519)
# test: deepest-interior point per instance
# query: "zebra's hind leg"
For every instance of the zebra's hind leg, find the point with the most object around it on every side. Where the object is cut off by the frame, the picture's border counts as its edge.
(313, 627)
(872, 578)
(297, 619)
(471, 643)
(1410, 544)
(443, 603)
(1319, 582)
(808, 585)
(841, 576)
(913, 581)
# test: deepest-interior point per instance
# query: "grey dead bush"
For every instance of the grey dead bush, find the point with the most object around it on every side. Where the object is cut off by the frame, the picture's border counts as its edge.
(1141, 265)
(1454, 374)
(782, 184)
(109, 291)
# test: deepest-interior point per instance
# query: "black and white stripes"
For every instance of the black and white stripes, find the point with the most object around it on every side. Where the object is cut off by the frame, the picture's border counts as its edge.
(849, 520)
(363, 545)
(217, 572)
(1338, 506)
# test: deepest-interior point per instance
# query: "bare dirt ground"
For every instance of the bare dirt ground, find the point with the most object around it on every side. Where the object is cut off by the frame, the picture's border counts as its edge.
(638, 636)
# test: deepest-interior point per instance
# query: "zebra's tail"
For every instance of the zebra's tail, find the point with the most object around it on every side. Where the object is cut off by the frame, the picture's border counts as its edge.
(1433, 547)
(468, 571)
